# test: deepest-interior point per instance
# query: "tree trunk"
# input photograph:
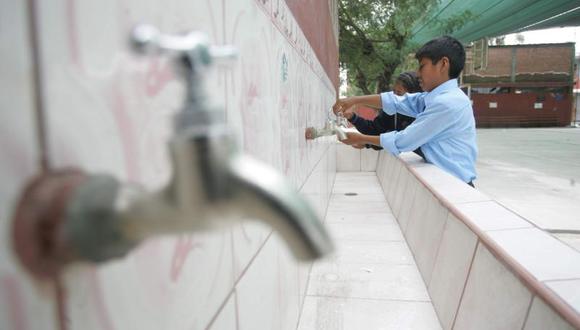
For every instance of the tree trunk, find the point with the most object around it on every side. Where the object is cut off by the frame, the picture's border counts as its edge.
(384, 80)
(383, 84)
(362, 82)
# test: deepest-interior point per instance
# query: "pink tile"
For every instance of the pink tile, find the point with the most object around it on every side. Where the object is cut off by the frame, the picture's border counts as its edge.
(369, 159)
(322, 313)
(392, 187)
(417, 210)
(542, 317)
(408, 201)
(493, 298)
(543, 255)
(380, 164)
(451, 268)
(401, 193)
(247, 238)
(365, 232)
(359, 218)
(371, 252)
(424, 235)
(369, 281)
(226, 319)
(490, 215)
(411, 158)
(569, 290)
(453, 189)
(348, 159)
(268, 294)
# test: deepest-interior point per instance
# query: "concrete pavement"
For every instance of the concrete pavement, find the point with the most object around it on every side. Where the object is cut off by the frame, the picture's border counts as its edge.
(535, 173)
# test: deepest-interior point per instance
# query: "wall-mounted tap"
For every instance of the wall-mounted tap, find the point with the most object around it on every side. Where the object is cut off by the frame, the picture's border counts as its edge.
(337, 125)
(67, 216)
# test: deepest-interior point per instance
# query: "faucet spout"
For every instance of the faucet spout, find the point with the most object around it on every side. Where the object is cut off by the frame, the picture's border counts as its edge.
(263, 194)
(214, 185)
(337, 125)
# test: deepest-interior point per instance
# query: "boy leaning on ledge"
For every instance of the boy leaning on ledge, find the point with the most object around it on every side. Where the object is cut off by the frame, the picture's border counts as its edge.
(444, 128)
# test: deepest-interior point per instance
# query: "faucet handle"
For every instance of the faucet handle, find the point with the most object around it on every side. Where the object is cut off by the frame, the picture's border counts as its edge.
(147, 39)
(192, 55)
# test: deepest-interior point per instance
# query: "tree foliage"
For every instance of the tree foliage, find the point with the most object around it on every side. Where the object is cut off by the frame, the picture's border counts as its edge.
(375, 38)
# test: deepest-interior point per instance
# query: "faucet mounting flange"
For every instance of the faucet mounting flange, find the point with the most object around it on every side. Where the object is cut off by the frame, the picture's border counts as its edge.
(38, 221)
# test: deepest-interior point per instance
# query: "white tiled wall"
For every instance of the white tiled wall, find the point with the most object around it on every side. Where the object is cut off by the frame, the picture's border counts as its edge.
(109, 111)
(20, 297)
(351, 159)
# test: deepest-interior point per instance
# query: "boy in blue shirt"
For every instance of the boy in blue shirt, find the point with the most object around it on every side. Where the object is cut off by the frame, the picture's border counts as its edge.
(444, 128)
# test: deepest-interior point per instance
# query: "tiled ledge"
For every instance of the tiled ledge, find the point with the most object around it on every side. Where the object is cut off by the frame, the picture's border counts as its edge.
(484, 266)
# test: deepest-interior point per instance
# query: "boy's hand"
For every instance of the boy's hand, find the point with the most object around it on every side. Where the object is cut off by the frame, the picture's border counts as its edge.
(353, 139)
(345, 106)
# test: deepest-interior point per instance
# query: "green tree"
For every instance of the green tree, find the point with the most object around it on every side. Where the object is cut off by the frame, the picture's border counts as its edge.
(375, 38)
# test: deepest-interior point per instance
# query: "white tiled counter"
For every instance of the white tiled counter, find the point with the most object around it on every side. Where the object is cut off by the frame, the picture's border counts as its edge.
(484, 266)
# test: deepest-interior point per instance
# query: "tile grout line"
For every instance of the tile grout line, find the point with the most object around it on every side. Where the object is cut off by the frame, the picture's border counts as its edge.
(465, 284)
(528, 312)
(220, 309)
(370, 299)
(233, 289)
(312, 263)
(561, 280)
(38, 91)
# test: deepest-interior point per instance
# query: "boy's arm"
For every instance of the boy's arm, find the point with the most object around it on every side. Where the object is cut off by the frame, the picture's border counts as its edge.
(433, 121)
(346, 104)
(410, 104)
(428, 127)
(358, 139)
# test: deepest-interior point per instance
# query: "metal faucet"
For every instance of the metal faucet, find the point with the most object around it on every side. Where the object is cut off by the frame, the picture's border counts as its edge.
(337, 125)
(96, 218)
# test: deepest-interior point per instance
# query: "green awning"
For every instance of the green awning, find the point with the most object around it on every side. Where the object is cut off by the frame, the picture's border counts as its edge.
(496, 17)
(569, 18)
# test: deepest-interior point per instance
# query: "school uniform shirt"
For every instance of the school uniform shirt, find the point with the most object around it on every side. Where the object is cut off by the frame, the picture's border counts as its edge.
(444, 128)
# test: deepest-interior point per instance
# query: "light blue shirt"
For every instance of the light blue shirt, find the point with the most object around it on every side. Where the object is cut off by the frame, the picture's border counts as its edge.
(444, 128)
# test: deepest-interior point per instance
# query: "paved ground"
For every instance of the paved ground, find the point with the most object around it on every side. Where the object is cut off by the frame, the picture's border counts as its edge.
(372, 281)
(535, 173)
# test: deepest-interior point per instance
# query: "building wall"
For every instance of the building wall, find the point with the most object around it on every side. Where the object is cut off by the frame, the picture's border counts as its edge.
(107, 110)
(538, 81)
(521, 110)
(525, 63)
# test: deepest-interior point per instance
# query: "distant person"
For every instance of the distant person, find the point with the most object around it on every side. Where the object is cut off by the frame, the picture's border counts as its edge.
(406, 82)
(444, 127)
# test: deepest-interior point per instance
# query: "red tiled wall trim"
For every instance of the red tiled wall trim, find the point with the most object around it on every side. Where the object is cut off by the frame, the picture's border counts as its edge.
(315, 20)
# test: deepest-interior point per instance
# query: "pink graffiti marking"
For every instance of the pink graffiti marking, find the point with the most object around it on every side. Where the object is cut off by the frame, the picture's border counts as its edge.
(99, 301)
(73, 40)
(183, 247)
(158, 75)
(61, 299)
(126, 132)
(251, 94)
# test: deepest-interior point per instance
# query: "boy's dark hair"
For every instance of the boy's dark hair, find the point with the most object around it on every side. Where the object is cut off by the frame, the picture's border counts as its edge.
(445, 46)
(410, 82)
